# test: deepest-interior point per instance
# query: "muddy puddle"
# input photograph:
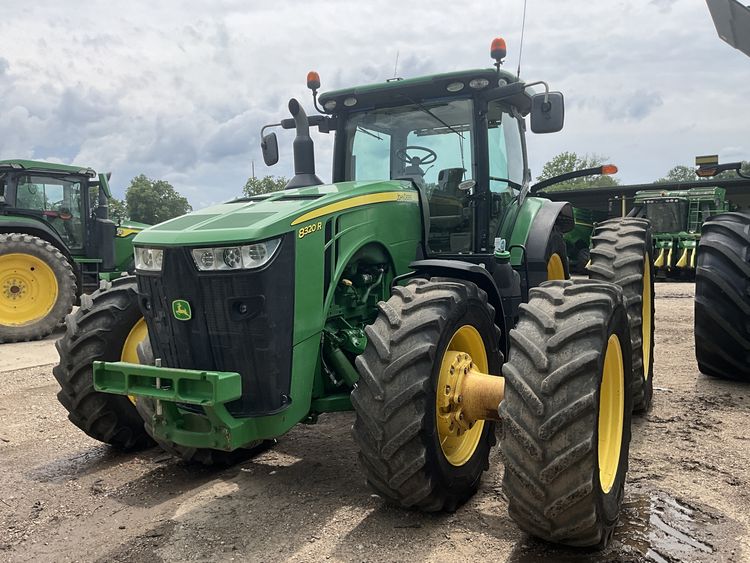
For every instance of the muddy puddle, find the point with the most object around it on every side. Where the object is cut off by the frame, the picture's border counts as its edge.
(654, 527)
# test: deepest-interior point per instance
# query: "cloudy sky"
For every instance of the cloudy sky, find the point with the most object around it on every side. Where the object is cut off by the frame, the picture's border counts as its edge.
(178, 90)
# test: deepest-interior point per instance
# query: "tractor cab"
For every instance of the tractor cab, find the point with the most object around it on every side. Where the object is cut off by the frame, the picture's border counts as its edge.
(453, 136)
(68, 204)
(457, 137)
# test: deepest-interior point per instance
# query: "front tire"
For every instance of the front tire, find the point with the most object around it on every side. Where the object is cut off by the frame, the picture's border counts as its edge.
(722, 297)
(104, 328)
(408, 451)
(567, 411)
(37, 287)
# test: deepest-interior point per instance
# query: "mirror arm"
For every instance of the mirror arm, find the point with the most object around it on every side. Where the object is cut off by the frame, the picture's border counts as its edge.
(546, 88)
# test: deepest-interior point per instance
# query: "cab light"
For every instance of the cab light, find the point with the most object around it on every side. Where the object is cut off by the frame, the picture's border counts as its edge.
(245, 257)
(148, 259)
(479, 83)
(455, 87)
(350, 101)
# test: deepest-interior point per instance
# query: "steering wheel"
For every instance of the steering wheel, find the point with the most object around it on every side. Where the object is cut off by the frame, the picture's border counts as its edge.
(402, 155)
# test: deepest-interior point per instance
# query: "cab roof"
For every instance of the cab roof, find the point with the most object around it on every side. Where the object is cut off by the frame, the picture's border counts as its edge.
(397, 91)
(41, 166)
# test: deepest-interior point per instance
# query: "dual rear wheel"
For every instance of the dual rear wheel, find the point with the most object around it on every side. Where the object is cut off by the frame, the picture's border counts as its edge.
(565, 415)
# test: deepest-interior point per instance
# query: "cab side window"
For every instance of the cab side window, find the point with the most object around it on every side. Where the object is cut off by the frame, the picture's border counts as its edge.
(506, 160)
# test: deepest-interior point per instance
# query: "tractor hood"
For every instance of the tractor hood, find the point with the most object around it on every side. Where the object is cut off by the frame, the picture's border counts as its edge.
(267, 216)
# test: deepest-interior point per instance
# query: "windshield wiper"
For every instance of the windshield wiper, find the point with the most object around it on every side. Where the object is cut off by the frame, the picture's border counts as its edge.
(429, 112)
(370, 133)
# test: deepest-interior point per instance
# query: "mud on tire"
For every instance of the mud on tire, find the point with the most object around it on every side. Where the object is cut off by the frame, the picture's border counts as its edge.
(722, 297)
(550, 413)
(394, 400)
(97, 331)
(621, 253)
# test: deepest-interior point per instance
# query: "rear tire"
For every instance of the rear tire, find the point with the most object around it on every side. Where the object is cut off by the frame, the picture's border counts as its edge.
(556, 247)
(582, 260)
(97, 331)
(31, 270)
(396, 420)
(621, 253)
(557, 488)
(722, 297)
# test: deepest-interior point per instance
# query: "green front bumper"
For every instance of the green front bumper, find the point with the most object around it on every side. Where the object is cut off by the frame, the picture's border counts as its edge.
(213, 427)
(192, 387)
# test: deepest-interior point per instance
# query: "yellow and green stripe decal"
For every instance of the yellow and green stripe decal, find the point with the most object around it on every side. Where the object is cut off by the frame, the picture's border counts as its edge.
(358, 201)
(125, 231)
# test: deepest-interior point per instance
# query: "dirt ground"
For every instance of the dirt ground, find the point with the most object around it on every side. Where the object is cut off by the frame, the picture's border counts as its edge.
(64, 497)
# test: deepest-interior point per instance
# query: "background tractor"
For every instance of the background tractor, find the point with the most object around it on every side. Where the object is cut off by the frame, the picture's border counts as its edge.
(425, 288)
(56, 242)
(677, 217)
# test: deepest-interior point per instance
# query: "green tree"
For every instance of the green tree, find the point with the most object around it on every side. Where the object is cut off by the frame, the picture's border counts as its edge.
(682, 173)
(154, 201)
(679, 173)
(118, 211)
(569, 162)
(265, 185)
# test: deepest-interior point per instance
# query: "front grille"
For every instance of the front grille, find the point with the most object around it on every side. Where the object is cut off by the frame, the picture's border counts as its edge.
(242, 321)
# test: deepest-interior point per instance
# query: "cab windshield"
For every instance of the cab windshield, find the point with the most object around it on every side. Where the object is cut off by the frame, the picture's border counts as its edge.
(60, 201)
(430, 144)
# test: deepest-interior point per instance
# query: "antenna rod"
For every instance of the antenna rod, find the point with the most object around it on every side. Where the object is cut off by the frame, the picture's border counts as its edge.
(395, 67)
(520, 47)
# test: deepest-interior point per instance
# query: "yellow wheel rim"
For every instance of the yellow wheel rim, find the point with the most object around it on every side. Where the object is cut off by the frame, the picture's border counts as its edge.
(611, 414)
(646, 316)
(28, 289)
(458, 446)
(129, 354)
(555, 270)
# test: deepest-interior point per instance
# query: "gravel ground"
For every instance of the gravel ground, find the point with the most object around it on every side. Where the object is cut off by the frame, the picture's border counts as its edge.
(64, 497)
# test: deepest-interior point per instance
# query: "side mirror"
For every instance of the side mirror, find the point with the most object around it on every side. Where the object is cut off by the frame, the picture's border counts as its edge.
(270, 147)
(547, 116)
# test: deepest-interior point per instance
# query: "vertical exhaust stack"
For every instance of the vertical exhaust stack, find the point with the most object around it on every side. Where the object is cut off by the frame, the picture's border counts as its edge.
(304, 150)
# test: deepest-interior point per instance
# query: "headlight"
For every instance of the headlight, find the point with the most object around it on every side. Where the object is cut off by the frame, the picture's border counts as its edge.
(148, 259)
(243, 257)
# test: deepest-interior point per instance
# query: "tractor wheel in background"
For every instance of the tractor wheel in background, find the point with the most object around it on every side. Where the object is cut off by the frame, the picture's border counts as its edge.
(621, 254)
(567, 411)
(204, 456)
(37, 287)
(556, 257)
(107, 327)
(722, 297)
(582, 260)
(411, 450)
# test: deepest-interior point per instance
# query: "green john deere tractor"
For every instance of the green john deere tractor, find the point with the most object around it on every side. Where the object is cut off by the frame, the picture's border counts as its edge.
(677, 217)
(56, 242)
(401, 291)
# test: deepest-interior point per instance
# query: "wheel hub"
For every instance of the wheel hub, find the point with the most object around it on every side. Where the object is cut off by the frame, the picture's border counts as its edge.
(452, 403)
(14, 289)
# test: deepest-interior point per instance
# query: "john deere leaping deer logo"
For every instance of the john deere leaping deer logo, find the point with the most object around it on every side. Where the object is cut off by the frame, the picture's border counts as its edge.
(181, 310)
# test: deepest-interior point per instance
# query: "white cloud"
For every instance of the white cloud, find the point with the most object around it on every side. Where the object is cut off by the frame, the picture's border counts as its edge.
(179, 90)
